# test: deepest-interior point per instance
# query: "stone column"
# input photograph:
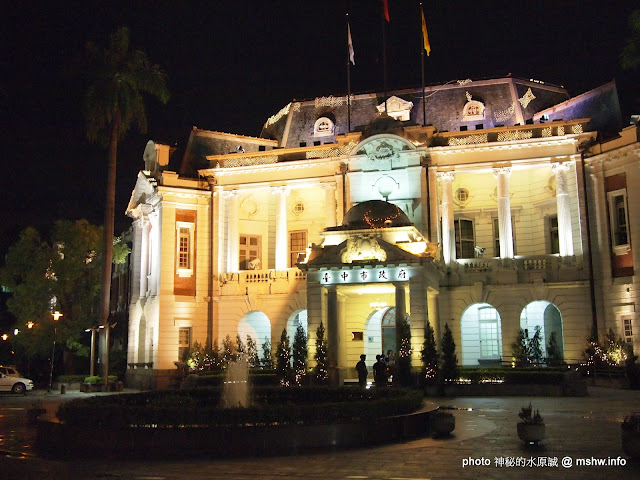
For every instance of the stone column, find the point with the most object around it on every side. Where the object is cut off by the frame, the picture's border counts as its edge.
(504, 211)
(219, 229)
(144, 252)
(333, 336)
(565, 235)
(233, 237)
(401, 312)
(446, 211)
(419, 309)
(282, 249)
(330, 201)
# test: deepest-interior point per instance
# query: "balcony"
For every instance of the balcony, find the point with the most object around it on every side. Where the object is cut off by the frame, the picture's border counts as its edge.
(522, 269)
(261, 281)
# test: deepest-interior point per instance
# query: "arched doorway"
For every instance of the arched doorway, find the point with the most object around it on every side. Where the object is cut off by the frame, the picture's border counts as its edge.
(545, 315)
(481, 332)
(256, 325)
(380, 332)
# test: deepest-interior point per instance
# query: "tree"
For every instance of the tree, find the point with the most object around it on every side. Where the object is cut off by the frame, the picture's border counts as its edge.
(535, 346)
(283, 359)
(520, 349)
(228, 352)
(300, 354)
(403, 372)
(267, 359)
(429, 354)
(449, 359)
(630, 55)
(320, 371)
(113, 104)
(554, 352)
(252, 353)
(241, 348)
(62, 273)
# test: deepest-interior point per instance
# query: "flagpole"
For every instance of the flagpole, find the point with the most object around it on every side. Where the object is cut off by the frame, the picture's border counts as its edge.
(348, 76)
(384, 53)
(424, 113)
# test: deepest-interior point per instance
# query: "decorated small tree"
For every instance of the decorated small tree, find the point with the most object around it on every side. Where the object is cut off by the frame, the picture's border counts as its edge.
(228, 351)
(554, 352)
(300, 354)
(520, 349)
(449, 368)
(252, 353)
(535, 347)
(320, 371)
(267, 360)
(240, 346)
(429, 355)
(283, 360)
(403, 372)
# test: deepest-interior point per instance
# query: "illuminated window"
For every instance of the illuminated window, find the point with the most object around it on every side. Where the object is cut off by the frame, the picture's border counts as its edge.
(465, 240)
(250, 256)
(489, 333)
(462, 196)
(298, 208)
(184, 248)
(618, 221)
(628, 329)
(184, 343)
(323, 127)
(297, 245)
(473, 110)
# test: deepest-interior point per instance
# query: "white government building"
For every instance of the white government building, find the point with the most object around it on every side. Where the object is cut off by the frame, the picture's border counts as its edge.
(488, 205)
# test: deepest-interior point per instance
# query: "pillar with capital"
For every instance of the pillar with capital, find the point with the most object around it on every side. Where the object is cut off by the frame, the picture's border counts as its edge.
(504, 212)
(333, 336)
(565, 235)
(281, 193)
(233, 237)
(446, 206)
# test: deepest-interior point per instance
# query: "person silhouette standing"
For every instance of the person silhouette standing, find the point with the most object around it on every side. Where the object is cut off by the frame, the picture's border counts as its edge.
(361, 368)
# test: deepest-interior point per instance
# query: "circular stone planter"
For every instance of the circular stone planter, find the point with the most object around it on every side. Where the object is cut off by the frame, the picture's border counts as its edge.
(442, 424)
(631, 443)
(531, 432)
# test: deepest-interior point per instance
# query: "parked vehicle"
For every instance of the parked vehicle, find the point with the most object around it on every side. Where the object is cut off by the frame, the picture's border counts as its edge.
(15, 384)
(9, 371)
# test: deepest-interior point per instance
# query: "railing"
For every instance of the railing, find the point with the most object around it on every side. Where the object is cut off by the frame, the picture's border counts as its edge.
(252, 277)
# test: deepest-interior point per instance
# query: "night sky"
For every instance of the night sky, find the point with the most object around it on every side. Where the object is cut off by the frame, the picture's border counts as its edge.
(232, 64)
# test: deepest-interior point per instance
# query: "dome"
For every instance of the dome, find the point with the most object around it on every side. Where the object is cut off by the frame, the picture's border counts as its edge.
(375, 214)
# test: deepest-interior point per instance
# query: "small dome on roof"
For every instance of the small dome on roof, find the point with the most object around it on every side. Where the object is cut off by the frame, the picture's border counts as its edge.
(375, 214)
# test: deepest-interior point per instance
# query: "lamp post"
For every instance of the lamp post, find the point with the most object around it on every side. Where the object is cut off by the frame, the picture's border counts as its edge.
(93, 347)
(56, 316)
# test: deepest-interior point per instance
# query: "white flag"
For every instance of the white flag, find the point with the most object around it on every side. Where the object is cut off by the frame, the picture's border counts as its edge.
(350, 43)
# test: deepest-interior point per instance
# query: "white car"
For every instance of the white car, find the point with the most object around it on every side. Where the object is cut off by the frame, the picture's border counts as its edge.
(15, 384)
(9, 371)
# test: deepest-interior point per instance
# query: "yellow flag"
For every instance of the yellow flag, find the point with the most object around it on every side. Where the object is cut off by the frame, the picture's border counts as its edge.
(425, 35)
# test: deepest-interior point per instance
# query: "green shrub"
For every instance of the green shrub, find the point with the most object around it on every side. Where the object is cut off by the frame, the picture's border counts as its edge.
(95, 380)
(71, 378)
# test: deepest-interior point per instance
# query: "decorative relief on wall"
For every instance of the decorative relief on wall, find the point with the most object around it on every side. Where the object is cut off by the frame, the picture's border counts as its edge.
(514, 135)
(249, 205)
(381, 154)
(469, 139)
(505, 114)
(332, 101)
(526, 99)
(331, 152)
(363, 248)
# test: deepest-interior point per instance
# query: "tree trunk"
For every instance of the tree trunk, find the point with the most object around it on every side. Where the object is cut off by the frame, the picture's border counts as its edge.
(107, 239)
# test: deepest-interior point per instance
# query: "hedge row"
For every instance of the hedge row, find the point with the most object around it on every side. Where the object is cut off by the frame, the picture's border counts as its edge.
(282, 406)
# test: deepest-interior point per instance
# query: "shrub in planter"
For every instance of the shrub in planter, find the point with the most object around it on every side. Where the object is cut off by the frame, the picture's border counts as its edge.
(630, 435)
(531, 428)
(442, 423)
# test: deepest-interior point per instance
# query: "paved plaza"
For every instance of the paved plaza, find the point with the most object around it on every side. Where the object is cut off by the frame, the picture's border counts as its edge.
(580, 431)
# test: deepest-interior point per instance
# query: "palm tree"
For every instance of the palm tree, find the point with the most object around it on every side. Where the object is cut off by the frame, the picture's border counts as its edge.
(112, 105)
(630, 56)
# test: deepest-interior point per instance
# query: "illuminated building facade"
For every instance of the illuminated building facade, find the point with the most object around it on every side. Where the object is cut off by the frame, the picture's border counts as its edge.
(506, 210)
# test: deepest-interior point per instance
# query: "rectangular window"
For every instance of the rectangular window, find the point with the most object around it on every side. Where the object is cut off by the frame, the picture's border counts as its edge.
(297, 245)
(496, 236)
(465, 240)
(184, 248)
(489, 335)
(618, 221)
(250, 256)
(628, 330)
(554, 238)
(184, 343)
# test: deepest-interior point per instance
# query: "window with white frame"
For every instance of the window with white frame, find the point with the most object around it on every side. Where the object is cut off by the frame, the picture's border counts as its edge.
(323, 127)
(628, 329)
(618, 221)
(184, 343)
(297, 245)
(250, 252)
(489, 332)
(184, 249)
(496, 236)
(465, 239)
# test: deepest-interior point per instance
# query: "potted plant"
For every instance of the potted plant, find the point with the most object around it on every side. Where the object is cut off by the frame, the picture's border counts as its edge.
(630, 434)
(531, 428)
(442, 423)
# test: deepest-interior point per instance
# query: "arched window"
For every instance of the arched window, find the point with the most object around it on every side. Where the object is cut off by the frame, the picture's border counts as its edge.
(323, 127)
(472, 111)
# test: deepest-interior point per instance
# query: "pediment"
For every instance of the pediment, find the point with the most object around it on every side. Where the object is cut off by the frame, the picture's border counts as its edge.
(397, 108)
(350, 251)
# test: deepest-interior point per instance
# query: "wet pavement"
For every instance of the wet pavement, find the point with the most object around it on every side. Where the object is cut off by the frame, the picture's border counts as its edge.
(580, 432)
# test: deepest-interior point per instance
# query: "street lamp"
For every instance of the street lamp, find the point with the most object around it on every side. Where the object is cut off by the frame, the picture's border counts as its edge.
(93, 347)
(56, 316)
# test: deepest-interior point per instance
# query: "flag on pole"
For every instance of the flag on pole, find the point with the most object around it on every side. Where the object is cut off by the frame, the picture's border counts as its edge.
(385, 6)
(425, 35)
(350, 43)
